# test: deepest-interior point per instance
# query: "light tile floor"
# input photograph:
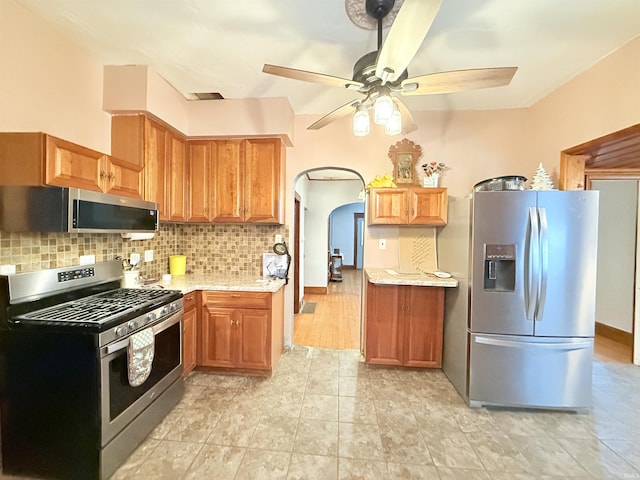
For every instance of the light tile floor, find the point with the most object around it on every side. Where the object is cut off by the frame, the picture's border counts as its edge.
(325, 415)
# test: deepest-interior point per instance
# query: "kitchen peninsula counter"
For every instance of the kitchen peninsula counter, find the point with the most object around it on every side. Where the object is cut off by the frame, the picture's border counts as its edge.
(404, 318)
(193, 282)
(385, 276)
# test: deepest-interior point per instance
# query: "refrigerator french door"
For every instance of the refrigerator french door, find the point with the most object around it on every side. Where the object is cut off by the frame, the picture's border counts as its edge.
(531, 309)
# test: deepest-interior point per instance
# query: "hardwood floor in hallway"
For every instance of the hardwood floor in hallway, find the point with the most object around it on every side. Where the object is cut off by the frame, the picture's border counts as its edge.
(335, 324)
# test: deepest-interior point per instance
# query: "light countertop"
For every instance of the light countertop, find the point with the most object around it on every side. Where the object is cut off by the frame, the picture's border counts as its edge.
(191, 282)
(385, 276)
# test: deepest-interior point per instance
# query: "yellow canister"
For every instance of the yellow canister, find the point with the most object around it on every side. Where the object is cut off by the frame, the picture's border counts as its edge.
(177, 264)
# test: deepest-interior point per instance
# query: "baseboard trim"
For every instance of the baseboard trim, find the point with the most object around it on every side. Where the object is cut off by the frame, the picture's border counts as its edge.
(615, 334)
(316, 290)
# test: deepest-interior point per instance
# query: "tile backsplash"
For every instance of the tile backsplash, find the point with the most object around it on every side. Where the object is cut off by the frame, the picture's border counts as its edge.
(213, 249)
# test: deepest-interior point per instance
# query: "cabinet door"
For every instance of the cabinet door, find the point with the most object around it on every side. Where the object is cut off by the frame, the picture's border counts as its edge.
(218, 328)
(423, 311)
(228, 180)
(262, 197)
(388, 206)
(427, 206)
(155, 148)
(200, 170)
(70, 165)
(384, 334)
(123, 178)
(176, 175)
(253, 334)
(189, 340)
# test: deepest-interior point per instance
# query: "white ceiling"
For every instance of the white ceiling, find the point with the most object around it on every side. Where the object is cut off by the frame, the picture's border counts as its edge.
(221, 46)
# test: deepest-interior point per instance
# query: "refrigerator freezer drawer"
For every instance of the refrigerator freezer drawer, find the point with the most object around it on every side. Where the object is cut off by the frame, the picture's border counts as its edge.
(533, 372)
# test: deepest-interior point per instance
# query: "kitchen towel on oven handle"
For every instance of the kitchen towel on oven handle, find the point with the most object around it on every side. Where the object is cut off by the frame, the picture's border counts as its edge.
(140, 356)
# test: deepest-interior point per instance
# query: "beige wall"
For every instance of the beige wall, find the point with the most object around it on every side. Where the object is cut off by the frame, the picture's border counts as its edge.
(47, 83)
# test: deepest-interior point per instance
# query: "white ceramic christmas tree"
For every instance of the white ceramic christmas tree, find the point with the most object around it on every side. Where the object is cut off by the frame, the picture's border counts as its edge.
(541, 180)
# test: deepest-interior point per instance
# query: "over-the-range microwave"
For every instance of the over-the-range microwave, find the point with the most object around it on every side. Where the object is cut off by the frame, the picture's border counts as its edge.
(63, 209)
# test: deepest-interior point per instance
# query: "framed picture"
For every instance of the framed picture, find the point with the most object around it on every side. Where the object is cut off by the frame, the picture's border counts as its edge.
(404, 155)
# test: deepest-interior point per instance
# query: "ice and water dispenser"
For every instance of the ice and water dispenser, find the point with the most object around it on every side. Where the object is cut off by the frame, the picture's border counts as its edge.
(500, 268)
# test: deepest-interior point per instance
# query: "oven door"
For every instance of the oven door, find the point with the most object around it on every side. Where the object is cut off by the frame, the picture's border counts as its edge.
(120, 402)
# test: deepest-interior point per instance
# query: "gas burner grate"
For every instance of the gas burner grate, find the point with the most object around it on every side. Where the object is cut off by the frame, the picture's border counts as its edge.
(101, 307)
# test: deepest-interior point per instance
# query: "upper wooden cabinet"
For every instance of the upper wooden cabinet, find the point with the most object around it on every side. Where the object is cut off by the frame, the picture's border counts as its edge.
(200, 157)
(248, 177)
(408, 206)
(236, 181)
(41, 159)
(162, 152)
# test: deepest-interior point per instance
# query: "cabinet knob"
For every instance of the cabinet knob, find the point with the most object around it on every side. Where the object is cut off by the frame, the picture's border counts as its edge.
(231, 322)
(237, 322)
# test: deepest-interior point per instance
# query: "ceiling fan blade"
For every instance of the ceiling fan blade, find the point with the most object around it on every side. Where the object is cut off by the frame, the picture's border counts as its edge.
(405, 37)
(458, 81)
(312, 77)
(335, 115)
(408, 123)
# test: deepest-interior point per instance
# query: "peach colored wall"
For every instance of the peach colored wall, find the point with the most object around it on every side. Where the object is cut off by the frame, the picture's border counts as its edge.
(602, 100)
(476, 145)
(48, 83)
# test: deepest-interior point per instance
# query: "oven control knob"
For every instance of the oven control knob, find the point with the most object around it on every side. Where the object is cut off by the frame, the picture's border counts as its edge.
(120, 331)
(151, 317)
(165, 310)
(133, 324)
(173, 307)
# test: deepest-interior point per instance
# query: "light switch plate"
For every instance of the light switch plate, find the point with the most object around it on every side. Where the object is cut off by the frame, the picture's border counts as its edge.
(382, 244)
(148, 255)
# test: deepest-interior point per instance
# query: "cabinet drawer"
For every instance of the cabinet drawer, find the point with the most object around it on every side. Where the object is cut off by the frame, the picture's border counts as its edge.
(189, 301)
(237, 299)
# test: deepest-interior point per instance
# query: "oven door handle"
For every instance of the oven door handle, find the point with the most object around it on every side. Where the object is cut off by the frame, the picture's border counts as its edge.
(157, 328)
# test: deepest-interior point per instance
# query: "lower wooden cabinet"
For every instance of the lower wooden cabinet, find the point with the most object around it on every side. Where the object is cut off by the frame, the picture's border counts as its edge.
(403, 325)
(189, 335)
(241, 330)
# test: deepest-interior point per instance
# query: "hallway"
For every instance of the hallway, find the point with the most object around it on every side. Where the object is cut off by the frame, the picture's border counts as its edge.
(335, 324)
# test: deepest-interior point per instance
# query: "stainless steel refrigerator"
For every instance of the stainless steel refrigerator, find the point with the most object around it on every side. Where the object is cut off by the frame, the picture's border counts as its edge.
(518, 330)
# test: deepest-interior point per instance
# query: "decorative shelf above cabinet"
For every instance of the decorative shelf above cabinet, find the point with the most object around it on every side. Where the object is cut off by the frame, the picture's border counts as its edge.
(408, 206)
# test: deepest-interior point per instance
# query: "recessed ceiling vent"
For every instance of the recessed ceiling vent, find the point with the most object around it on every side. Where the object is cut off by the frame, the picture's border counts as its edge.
(205, 96)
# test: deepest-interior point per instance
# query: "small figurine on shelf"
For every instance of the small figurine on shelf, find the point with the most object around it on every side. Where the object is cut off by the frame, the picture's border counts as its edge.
(541, 180)
(433, 171)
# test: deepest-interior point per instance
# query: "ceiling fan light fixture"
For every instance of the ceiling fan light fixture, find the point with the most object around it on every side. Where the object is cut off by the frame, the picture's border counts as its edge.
(382, 108)
(361, 122)
(394, 124)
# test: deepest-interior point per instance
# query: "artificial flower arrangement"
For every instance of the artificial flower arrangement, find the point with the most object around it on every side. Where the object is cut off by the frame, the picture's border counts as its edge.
(434, 167)
(382, 181)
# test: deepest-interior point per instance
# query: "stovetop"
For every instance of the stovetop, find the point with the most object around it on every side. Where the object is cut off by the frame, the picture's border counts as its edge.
(103, 307)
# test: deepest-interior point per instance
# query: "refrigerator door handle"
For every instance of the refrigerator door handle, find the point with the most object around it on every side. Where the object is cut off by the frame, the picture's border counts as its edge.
(532, 267)
(550, 346)
(544, 261)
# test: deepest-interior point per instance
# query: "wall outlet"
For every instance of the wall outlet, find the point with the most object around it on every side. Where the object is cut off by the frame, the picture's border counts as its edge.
(87, 259)
(382, 244)
(7, 269)
(148, 255)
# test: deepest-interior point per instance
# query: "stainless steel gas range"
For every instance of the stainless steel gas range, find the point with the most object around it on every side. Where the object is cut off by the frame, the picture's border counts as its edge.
(87, 369)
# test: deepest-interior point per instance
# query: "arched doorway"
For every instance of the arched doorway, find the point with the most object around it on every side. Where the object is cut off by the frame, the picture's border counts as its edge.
(317, 193)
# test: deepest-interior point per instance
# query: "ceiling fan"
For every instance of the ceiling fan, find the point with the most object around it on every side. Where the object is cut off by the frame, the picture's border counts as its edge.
(382, 74)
